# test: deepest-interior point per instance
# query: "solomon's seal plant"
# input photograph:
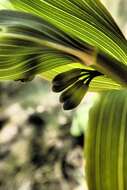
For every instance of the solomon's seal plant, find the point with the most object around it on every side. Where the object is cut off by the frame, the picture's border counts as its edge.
(77, 45)
(47, 37)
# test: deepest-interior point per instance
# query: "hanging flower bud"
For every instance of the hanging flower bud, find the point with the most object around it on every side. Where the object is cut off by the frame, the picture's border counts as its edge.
(72, 97)
(63, 85)
(66, 79)
(68, 75)
(74, 84)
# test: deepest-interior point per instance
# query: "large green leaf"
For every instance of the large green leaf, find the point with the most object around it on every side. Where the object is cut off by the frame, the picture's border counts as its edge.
(24, 49)
(58, 40)
(24, 45)
(86, 20)
(106, 142)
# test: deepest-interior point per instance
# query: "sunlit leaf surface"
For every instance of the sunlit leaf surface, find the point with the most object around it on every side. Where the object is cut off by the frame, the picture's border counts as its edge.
(57, 38)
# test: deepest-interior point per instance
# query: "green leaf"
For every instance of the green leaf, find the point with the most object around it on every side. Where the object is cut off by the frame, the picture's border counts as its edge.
(25, 48)
(5, 4)
(24, 51)
(89, 22)
(86, 20)
(66, 35)
(106, 142)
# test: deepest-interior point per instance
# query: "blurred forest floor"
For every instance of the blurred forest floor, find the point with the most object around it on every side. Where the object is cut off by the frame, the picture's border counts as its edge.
(37, 148)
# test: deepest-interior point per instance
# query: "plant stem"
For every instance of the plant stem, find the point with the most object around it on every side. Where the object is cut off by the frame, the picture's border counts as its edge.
(111, 67)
